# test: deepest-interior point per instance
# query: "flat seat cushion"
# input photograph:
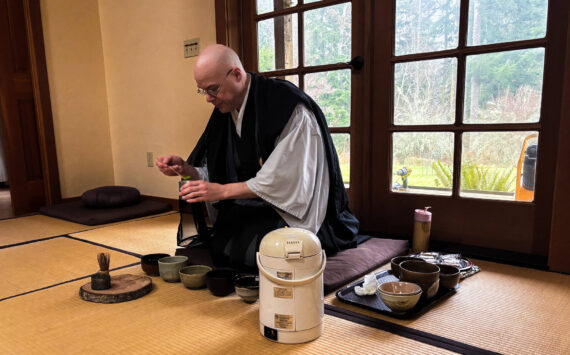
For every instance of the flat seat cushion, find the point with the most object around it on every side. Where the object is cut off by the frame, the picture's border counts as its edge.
(349, 264)
(111, 197)
(342, 267)
(77, 212)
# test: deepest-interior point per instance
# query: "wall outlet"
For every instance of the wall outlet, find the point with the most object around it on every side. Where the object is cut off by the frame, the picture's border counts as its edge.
(149, 159)
(191, 47)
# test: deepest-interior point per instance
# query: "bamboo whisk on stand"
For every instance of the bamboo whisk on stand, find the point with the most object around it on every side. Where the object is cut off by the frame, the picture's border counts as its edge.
(104, 259)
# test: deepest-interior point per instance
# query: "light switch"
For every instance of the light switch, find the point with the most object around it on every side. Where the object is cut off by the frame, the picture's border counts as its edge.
(191, 47)
(149, 159)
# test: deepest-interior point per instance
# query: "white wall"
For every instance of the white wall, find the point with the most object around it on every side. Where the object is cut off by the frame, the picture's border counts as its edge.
(120, 88)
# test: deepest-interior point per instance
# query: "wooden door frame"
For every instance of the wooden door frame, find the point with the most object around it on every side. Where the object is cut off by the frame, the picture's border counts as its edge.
(42, 104)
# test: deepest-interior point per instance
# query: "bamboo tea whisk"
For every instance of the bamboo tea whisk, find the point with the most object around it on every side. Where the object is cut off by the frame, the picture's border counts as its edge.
(104, 259)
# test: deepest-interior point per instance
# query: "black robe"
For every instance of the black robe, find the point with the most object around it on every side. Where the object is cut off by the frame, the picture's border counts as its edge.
(230, 158)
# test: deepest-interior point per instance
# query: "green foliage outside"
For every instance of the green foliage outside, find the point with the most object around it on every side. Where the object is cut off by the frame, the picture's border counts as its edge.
(502, 87)
(473, 177)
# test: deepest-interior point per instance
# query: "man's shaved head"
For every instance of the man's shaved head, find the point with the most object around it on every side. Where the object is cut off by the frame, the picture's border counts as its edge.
(219, 71)
(215, 59)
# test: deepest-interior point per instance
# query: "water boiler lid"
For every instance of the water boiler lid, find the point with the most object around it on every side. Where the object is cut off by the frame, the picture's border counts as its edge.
(287, 242)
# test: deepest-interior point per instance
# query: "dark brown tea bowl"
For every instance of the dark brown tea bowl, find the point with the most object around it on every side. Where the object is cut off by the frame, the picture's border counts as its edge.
(449, 276)
(149, 263)
(220, 281)
(396, 261)
(424, 274)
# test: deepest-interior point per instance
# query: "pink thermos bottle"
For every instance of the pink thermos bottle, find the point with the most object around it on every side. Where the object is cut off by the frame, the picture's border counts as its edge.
(422, 226)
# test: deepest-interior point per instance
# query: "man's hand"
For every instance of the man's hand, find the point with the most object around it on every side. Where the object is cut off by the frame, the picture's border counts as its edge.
(200, 190)
(170, 165)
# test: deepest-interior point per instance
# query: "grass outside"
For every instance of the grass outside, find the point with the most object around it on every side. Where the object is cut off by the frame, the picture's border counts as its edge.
(422, 175)
(425, 176)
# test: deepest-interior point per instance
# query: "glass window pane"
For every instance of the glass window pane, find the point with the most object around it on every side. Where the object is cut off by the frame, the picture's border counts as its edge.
(426, 25)
(331, 90)
(328, 35)
(504, 87)
(264, 6)
(492, 21)
(499, 165)
(341, 143)
(422, 162)
(424, 92)
(278, 43)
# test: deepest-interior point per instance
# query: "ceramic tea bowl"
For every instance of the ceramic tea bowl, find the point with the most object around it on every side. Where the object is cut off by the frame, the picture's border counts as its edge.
(220, 282)
(424, 274)
(169, 267)
(247, 287)
(149, 263)
(396, 261)
(449, 276)
(194, 276)
(400, 296)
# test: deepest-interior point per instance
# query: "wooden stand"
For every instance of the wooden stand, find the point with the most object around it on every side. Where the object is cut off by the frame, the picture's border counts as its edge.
(123, 288)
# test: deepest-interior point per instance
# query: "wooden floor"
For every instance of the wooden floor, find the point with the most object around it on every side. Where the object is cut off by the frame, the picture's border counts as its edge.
(5, 203)
(502, 309)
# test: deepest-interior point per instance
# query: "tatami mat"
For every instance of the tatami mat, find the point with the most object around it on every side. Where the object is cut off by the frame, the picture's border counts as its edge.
(507, 309)
(171, 319)
(145, 236)
(33, 266)
(24, 229)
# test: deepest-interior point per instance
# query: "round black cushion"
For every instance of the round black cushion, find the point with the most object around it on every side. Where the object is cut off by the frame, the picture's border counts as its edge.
(111, 197)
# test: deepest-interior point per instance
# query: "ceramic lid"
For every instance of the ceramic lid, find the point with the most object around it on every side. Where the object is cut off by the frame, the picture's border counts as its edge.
(290, 243)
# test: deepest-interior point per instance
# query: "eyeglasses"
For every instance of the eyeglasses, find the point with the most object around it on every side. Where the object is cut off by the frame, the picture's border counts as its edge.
(216, 90)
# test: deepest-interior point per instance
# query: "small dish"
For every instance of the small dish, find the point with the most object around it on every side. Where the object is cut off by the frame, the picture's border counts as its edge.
(149, 263)
(247, 287)
(194, 276)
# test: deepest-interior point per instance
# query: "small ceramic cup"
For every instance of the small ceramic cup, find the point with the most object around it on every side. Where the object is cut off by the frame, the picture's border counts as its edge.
(170, 266)
(247, 287)
(220, 282)
(194, 276)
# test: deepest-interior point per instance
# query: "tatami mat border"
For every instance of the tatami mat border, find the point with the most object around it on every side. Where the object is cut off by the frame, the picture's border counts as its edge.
(137, 255)
(84, 230)
(64, 282)
(76, 279)
(32, 241)
(410, 333)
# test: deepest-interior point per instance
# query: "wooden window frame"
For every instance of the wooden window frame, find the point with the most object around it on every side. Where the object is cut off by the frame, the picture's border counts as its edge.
(505, 225)
(360, 34)
(384, 212)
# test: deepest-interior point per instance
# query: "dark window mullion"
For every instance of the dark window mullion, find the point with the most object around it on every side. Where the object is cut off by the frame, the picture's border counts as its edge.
(307, 70)
(468, 127)
(301, 49)
(472, 50)
(339, 130)
(299, 9)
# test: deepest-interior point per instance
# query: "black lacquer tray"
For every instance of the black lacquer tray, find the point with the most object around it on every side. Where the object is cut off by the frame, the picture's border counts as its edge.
(374, 302)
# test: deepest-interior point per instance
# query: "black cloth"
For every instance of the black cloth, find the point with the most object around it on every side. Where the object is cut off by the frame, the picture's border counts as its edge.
(230, 158)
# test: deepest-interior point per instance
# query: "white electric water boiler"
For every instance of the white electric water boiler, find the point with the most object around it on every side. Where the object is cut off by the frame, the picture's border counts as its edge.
(291, 300)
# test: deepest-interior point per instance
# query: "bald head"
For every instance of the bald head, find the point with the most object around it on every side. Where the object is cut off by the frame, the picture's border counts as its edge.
(216, 59)
(220, 73)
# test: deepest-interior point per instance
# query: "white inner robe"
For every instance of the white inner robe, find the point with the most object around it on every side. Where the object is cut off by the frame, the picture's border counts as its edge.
(295, 177)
